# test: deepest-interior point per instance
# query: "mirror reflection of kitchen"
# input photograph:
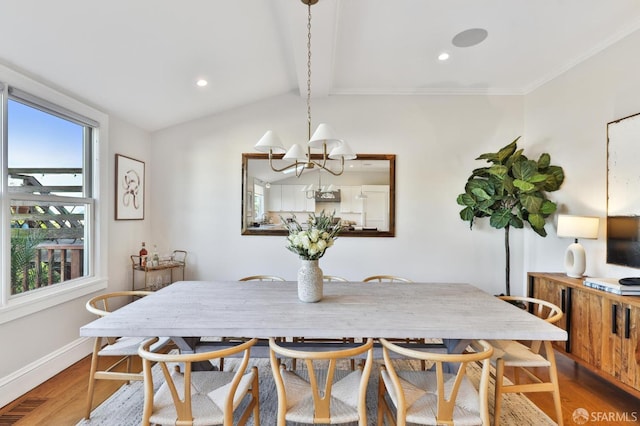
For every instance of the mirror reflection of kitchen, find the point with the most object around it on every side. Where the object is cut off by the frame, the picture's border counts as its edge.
(360, 197)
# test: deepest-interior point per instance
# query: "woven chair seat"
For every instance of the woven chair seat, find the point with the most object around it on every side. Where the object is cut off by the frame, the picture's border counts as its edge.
(208, 392)
(128, 346)
(300, 406)
(420, 389)
(516, 354)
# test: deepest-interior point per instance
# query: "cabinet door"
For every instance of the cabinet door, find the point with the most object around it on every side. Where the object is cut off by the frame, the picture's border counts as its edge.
(274, 202)
(587, 312)
(348, 201)
(288, 198)
(631, 346)
(621, 344)
(300, 198)
(376, 206)
(558, 294)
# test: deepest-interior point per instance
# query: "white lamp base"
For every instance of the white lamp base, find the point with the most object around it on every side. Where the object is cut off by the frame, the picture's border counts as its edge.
(575, 260)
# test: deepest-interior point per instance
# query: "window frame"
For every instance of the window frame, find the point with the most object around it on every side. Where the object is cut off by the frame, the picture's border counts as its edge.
(16, 306)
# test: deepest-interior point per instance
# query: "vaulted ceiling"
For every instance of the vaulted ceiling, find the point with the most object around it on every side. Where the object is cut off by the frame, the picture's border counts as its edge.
(140, 59)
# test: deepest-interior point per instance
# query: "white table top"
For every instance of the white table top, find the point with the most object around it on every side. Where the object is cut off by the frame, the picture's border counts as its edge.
(264, 309)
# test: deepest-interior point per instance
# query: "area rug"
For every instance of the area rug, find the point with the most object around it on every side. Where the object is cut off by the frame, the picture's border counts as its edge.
(124, 408)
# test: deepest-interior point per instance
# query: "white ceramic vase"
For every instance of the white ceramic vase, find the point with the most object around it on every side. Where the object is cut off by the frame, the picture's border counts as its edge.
(309, 281)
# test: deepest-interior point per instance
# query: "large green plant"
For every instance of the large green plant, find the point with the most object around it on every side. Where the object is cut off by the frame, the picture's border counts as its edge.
(24, 244)
(510, 192)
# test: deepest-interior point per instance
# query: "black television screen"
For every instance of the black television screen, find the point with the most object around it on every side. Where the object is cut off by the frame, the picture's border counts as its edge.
(623, 240)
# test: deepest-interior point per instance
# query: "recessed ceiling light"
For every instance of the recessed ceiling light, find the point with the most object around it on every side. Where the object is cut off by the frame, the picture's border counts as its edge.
(470, 37)
(201, 82)
(443, 56)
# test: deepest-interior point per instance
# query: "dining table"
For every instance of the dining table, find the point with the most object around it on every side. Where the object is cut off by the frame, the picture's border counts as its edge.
(456, 313)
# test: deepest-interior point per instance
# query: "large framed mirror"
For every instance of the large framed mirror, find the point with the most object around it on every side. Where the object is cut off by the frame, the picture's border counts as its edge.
(363, 197)
(623, 191)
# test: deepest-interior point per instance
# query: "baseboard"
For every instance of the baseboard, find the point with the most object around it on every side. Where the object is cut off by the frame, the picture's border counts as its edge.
(22, 381)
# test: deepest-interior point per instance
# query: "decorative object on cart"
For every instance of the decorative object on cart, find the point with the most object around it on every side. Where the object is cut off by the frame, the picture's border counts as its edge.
(310, 243)
(510, 192)
(129, 188)
(323, 138)
(160, 274)
(575, 260)
(143, 255)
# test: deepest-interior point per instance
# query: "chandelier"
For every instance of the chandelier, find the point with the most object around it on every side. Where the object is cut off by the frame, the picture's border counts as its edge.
(323, 138)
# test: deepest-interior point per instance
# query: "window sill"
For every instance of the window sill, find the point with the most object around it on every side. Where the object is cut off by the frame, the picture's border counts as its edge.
(39, 300)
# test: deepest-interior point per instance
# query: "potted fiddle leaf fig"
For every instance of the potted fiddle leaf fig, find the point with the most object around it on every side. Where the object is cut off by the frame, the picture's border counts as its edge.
(511, 191)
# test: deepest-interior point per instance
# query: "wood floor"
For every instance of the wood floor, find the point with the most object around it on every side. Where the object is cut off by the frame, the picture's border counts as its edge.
(61, 400)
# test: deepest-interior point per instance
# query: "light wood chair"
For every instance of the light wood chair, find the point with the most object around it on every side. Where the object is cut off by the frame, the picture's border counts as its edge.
(334, 278)
(386, 278)
(395, 279)
(252, 278)
(122, 348)
(189, 397)
(433, 397)
(327, 278)
(262, 278)
(315, 394)
(523, 357)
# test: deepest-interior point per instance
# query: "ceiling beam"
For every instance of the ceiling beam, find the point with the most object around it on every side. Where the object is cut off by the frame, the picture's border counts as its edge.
(324, 27)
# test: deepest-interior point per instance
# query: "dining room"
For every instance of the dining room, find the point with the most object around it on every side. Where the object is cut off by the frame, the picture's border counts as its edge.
(197, 194)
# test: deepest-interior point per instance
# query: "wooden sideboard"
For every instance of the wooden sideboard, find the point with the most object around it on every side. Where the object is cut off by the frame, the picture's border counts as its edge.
(603, 328)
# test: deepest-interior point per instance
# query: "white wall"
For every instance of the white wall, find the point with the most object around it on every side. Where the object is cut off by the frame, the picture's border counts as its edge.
(38, 346)
(197, 186)
(568, 117)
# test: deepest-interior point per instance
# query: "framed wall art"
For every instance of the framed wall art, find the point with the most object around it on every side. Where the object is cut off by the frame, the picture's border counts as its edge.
(129, 188)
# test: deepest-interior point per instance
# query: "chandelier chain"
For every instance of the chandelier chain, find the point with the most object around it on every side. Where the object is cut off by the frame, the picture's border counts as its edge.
(309, 70)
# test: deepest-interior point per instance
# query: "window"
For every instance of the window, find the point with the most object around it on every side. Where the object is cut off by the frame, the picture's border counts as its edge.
(49, 196)
(51, 228)
(258, 201)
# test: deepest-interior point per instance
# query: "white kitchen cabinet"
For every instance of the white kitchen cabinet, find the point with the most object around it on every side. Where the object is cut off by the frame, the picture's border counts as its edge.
(274, 198)
(289, 198)
(376, 206)
(348, 201)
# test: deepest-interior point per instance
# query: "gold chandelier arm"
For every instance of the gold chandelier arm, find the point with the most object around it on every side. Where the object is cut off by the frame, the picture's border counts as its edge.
(296, 164)
(324, 167)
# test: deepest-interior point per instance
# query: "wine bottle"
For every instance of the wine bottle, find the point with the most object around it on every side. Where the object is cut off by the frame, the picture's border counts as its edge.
(155, 258)
(143, 255)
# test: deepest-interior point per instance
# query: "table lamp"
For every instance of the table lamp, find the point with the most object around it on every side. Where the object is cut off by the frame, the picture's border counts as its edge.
(575, 261)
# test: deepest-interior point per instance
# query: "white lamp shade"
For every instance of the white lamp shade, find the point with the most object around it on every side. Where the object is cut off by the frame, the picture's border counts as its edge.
(270, 141)
(578, 226)
(296, 153)
(342, 151)
(324, 134)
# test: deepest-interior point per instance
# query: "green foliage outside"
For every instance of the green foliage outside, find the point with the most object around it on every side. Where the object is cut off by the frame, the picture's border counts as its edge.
(23, 255)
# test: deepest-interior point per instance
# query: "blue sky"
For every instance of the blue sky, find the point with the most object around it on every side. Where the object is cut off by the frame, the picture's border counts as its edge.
(38, 139)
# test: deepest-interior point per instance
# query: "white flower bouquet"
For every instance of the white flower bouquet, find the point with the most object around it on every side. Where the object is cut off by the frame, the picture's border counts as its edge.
(311, 242)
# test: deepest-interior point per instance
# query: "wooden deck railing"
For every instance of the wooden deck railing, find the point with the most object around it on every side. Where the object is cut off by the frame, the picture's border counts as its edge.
(60, 230)
(65, 258)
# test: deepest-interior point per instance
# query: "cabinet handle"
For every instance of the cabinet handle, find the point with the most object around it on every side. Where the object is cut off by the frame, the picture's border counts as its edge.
(627, 323)
(614, 317)
(563, 300)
